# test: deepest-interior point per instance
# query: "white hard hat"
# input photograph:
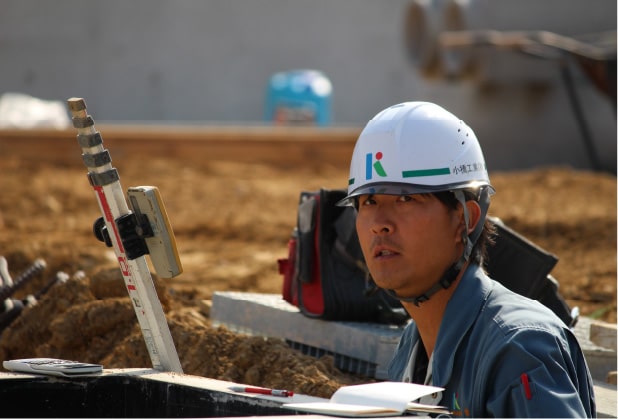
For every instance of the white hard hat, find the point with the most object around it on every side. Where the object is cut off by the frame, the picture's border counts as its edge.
(415, 147)
(419, 147)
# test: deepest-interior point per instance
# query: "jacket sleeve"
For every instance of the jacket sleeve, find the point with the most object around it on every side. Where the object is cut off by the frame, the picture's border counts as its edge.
(545, 376)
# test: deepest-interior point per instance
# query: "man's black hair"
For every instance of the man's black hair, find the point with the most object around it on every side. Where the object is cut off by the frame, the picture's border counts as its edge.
(479, 250)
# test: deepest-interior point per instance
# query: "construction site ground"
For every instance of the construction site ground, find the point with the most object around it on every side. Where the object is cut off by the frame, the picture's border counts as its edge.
(232, 213)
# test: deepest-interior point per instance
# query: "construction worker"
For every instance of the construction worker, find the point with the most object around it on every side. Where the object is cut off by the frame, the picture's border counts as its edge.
(419, 182)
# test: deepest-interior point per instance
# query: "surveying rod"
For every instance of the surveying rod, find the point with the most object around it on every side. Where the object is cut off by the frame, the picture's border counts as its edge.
(113, 204)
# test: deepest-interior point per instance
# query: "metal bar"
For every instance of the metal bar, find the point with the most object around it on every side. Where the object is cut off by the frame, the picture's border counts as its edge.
(8, 290)
(535, 42)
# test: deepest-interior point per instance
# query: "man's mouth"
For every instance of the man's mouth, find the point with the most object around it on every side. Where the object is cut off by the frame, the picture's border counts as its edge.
(383, 253)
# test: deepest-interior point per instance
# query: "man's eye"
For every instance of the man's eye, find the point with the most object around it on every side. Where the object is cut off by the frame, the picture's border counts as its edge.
(367, 201)
(413, 198)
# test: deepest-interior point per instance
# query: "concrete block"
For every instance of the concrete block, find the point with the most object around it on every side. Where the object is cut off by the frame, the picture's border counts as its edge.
(601, 360)
(603, 334)
(361, 348)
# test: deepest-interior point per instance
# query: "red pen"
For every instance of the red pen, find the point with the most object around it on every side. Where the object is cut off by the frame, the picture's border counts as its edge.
(260, 390)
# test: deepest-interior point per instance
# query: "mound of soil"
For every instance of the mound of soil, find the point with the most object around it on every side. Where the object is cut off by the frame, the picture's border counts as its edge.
(232, 222)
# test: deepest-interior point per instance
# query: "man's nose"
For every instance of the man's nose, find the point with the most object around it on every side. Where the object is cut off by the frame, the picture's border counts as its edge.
(382, 224)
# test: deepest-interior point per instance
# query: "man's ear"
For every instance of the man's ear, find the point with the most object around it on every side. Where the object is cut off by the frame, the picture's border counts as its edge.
(474, 215)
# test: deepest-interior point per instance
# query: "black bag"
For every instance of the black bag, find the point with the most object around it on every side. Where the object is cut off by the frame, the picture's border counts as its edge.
(524, 267)
(325, 275)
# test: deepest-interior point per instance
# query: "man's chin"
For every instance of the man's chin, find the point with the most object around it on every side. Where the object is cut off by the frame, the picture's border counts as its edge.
(387, 281)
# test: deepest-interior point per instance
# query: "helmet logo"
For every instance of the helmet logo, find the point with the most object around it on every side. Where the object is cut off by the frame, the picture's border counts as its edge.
(370, 165)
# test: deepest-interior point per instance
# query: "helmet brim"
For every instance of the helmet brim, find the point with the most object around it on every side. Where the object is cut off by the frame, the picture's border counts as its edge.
(396, 188)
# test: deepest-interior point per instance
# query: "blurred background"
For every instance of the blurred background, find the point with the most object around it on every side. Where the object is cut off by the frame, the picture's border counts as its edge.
(535, 79)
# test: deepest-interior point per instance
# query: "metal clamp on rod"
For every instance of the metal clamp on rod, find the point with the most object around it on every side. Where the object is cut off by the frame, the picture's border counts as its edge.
(133, 231)
(132, 235)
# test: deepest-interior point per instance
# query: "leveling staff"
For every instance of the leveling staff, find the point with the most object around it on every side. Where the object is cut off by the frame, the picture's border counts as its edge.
(419, 182)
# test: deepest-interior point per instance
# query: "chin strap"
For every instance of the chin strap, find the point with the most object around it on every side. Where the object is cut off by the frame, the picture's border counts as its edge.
(444, 282)
(451, 273)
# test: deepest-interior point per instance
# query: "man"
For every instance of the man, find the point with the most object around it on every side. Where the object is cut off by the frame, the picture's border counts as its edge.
(419, 182)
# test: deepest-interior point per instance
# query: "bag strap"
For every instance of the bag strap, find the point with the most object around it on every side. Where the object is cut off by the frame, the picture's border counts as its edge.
(305, 246)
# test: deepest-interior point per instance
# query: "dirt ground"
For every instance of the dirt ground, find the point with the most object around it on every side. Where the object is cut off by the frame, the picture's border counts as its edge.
(232, 222)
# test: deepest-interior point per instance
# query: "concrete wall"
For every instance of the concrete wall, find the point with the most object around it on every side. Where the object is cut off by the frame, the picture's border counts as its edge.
(210, 60)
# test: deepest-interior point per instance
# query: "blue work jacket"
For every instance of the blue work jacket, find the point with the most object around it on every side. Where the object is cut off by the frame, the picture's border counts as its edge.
(499, 354)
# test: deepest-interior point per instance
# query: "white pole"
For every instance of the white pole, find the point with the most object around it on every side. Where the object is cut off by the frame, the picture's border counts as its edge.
(112, 202)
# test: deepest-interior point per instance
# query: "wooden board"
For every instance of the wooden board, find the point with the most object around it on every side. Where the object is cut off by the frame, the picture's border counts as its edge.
(278, 145)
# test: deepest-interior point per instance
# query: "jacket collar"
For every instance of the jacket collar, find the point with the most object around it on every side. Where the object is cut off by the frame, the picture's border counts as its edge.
(460, 314)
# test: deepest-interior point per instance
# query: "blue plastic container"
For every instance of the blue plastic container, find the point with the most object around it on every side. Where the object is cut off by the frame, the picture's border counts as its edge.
(299, 97)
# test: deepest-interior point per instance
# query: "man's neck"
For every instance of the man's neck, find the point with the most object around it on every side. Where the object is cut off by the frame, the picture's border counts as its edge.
(428, 315)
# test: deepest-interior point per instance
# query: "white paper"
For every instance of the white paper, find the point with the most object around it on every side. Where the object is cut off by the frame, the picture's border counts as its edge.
(388, 394)
(374, 399)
